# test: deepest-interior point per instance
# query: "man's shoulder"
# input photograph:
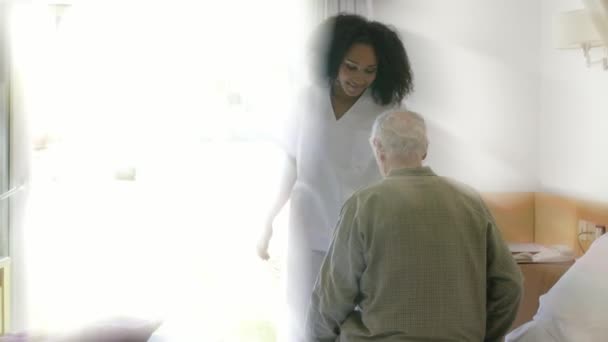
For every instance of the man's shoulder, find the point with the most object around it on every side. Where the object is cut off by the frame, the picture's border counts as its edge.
(369, 194)
(382, 189)
(468, 194)
(363, 200)
(462, 188)
(370, 189)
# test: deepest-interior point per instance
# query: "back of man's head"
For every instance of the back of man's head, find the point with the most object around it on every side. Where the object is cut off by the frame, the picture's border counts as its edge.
(401, 134)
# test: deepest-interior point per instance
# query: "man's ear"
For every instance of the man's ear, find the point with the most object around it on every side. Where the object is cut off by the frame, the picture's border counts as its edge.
(377, 145)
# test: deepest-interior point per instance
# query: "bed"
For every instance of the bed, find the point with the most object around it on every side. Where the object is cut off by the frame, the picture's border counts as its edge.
(574, 308)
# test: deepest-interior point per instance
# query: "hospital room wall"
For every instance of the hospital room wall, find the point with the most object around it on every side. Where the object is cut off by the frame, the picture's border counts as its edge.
(522, 122)
(573, 138)
(476, 65)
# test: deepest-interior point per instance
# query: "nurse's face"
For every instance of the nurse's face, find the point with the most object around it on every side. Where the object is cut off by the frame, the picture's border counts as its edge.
(358, 69)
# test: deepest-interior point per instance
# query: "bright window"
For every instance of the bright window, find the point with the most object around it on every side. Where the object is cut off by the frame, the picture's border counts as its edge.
(152, 162)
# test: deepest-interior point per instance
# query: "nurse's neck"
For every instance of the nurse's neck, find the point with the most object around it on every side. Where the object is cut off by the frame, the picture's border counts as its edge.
(341, 102)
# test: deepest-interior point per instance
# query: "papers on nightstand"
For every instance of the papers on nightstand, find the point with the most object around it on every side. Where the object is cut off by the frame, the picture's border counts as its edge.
(523, 257)
(525, 248)
(524, 252)
(531, 252)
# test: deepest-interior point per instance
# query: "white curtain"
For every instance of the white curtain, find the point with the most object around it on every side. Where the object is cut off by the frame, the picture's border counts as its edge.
(19, 171)
(323, 9)
(4, 132)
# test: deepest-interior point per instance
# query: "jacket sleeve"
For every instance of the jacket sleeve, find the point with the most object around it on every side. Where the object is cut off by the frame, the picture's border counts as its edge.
(504, 285)
(337, 286)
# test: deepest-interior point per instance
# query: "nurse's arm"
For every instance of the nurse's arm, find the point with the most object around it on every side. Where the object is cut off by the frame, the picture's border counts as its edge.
(288, 179)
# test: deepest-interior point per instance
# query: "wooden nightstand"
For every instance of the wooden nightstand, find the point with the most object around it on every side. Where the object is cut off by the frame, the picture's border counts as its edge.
(538, 280)
(5, 298)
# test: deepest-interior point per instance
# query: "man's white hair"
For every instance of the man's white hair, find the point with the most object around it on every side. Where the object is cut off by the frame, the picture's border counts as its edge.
(402, 133)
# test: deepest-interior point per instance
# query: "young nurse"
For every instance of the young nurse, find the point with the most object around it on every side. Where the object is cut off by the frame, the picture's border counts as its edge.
(364, 70)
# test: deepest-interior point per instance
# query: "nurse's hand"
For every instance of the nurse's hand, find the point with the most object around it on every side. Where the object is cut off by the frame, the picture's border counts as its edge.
(262, 246)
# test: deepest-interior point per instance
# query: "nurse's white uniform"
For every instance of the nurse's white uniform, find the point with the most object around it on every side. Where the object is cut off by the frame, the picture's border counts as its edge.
(333, 159)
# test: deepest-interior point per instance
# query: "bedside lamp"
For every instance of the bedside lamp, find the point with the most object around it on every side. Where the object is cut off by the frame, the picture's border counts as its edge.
(575, 30)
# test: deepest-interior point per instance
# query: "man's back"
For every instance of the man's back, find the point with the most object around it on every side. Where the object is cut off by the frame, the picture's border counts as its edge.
(434, 267)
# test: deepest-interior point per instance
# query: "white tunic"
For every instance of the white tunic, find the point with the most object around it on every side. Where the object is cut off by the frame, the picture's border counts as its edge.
(333, 159)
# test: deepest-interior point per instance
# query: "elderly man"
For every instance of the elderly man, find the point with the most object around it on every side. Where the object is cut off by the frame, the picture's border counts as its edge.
(415, 257)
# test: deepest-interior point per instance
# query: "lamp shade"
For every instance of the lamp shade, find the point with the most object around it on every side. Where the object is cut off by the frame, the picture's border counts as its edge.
(599, 14)
(573, 29)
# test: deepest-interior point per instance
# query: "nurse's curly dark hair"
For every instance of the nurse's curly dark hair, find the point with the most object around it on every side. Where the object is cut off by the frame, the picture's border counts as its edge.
(333, 38)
